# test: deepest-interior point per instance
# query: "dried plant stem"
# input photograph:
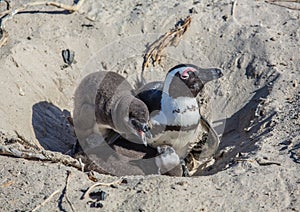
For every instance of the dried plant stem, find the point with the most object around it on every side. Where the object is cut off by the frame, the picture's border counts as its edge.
(274, 2)
(116, 182)
(233, 2)
(154, 52)
(297, 1)
(70, 8)
(3, 37)
(10, 13)
(46, 200)
(42, 155)
(263, 162)
(66, 189)
(4, 150)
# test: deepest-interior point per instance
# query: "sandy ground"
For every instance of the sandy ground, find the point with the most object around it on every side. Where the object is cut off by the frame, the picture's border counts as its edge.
(257, 101)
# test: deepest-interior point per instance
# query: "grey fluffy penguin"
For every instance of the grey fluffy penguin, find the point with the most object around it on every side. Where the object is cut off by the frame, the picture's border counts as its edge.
(104, 102)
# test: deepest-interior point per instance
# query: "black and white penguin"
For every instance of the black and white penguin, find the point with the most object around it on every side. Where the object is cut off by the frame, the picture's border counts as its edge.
(173, 107)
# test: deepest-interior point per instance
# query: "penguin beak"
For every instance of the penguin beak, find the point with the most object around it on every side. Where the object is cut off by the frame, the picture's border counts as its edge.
(143, 131)
(146, 134)
(209, 74)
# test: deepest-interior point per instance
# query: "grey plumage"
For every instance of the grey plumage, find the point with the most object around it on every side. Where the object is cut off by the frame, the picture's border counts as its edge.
(104, 102)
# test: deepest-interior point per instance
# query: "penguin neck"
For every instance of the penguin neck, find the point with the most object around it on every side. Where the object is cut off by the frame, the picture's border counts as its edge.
(176, 88)
(176, 96)
(120, 114)
(181, 111)
(179, 103)
(176, 110)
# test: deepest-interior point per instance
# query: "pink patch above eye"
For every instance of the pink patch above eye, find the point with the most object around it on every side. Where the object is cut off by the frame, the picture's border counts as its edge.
(185, 74)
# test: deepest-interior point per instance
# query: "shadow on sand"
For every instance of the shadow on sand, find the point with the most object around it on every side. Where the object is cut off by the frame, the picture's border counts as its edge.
(236, 137)
(52, 127)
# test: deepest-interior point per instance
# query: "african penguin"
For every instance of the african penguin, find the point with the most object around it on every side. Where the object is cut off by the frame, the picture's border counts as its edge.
(104, 103)
(173, 107)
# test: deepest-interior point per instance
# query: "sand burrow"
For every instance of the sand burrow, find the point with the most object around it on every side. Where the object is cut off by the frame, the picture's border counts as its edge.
(237, 104)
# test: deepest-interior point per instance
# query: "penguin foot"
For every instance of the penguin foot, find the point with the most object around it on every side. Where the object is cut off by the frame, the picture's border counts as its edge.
(185, 171)
(167, 159)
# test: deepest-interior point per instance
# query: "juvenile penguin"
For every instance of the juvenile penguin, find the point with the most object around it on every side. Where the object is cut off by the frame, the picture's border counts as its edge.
(173, 107)
(104, 103)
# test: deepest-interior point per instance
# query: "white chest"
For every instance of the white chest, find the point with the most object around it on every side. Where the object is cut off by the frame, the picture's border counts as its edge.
(182, 111)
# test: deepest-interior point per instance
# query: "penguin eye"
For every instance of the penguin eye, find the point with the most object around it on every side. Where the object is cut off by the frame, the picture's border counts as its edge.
(134, 123)
(184, 75)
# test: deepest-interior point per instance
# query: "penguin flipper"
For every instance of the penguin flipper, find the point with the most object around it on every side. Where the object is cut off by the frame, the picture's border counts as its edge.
(151, 95)
(202, 153)
(156, 85)
(213, 140)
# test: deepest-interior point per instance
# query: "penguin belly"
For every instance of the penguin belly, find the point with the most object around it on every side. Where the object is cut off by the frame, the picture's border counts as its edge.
(181, 141)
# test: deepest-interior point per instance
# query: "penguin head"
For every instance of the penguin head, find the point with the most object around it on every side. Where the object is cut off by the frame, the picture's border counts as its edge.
(139, 120)
(188, 80)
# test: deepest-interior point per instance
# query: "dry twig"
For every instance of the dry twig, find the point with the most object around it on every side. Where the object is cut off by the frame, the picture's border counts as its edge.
(297, 1)
(233, 2)
(264, 162)
(70, 8)
(154, 52)
(116, 182)
(3, 37)
(5, 150)
(46, 200)
(42, 155)
(23, 141)
(244, 160)
(10, 13)
(274, 2)
(65, 189)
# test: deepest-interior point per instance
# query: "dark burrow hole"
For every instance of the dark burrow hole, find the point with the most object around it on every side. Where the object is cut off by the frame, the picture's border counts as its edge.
(53, 129)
